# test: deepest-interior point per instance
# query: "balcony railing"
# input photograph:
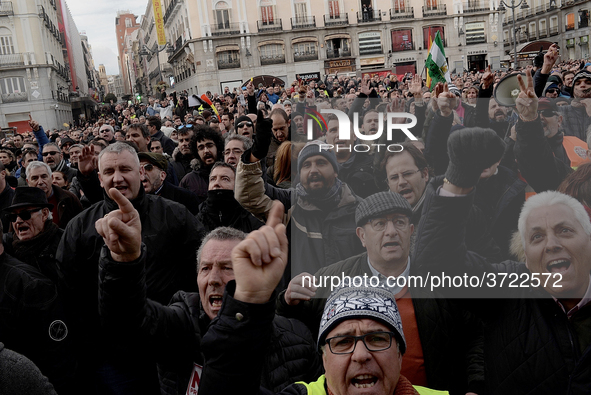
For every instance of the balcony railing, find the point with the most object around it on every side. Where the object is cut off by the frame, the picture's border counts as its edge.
(554, 31)
(440, 10)
(543, 33)
(402, 13)
(569, 27)
(532, 36)
(331, 54)
(14, 97)
(225, 29)
(371, 51)
(475, 40)
(6, 8)
(522, 37)
(171, 10)
(275, 25)
(305, 56)
(274, 59)
(540, 9)
(405, 46)
(15, 59)
(303, 22)
(369, 16)
(336, 20)
(228, 64)
(474, 6)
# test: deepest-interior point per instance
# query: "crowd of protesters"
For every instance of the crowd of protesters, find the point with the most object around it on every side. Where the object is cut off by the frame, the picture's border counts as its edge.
(162, 248)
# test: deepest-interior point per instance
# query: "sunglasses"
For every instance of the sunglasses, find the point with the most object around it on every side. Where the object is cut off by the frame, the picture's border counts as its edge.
(50, 153)
(187, 126)
(547, 113)
(25, 215)
(148, 166)
(553, 90)
(243, 124)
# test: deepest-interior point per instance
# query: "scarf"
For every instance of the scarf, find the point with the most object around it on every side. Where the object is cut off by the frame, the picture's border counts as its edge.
(30, 250)
(331, 198)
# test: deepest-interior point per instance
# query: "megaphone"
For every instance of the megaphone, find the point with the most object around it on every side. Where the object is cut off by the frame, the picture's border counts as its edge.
(507, 90)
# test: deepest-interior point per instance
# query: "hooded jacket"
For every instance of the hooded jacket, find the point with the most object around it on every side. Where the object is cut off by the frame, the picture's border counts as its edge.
(222, 209)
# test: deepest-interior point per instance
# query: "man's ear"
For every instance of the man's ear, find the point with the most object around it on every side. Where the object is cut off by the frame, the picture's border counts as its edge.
(361, 234)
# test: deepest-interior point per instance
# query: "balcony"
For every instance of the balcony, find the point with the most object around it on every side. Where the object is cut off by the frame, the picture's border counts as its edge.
(402, 13)
(225, 29)
(336, 20)
(522, 37)
(532, 36)
(569, 27)
(543, 33)
(540, 9)
(305, 57)
(341, 53)
(12, 60)
(270, 26)
(14, 97)
(554, 31)
(369, 16)
(6, 8)
(303, 22)
(224, 64)
(474, 6)
(475, 40)
(171, 10)
(272, 59)
(440, 10)
(53, 4)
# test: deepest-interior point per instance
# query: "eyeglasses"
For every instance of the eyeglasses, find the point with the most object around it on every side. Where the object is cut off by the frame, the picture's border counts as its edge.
(209, 146)
(547, 113)
(50, 153)
(375, 341)
(236, 151)
(399, 222)
(406, 175)
(25, 215)
(187, 126)
(148, 166)
(243, 124)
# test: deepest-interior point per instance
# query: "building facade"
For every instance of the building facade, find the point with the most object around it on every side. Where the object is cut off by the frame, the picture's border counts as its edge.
(125, 25)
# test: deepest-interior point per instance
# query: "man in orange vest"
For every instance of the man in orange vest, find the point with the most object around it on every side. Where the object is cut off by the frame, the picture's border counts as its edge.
(544, 155)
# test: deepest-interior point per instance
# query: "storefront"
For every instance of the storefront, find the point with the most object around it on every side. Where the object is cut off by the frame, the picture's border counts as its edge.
(526, 55)
(477, 60)
(374, 63)
(404, 64)
(341, 66)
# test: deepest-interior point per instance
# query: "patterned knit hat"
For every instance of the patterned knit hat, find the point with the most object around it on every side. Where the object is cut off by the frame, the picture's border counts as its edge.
(379, 204)
(377, 304)
(581, 74)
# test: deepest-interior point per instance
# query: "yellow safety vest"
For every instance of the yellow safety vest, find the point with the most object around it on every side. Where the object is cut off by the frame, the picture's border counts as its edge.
(317, 388)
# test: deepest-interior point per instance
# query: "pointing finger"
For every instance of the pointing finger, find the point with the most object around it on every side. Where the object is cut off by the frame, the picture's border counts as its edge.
(276, 214)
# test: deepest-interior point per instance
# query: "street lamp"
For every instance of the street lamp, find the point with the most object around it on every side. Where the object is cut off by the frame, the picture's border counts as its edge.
(513, 6)
(156, 51)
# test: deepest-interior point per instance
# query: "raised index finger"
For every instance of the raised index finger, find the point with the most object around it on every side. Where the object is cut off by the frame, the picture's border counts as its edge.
(124, 204)
(276, 214)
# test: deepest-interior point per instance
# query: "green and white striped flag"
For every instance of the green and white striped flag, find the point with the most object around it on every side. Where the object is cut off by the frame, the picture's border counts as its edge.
(436, 63)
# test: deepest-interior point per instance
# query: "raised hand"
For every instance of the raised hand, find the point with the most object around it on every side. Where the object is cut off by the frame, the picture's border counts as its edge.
(550, 59)
(87, 161)
(33, 124)
(297, 291)
(250, 88)
(446, 101)
(260, 259)
(416, 88)
(121, 229)
(488, 78)
(526, 103)
(364, 86)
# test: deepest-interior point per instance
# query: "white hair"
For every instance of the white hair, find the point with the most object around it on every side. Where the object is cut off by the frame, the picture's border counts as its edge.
(35, 164)
(551, 198)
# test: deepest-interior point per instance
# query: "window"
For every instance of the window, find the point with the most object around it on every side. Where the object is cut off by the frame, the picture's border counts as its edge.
(333, 9)
(337, 47)
(12, 85)
(6, 47)
(229, 59)
(222, 15)
(127, 22)
(271, 54)
(402, 40)
(305, 51)
(429, 35)
(475, 33)
(370, 43)
(268, 14)
(431, 5)
(301, 11)
(570, 21)
(399, 5)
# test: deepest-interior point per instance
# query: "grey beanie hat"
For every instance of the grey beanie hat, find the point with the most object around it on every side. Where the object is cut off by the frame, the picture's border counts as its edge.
(581, 74)
(314, 148)
(348, 303)
(379, 204)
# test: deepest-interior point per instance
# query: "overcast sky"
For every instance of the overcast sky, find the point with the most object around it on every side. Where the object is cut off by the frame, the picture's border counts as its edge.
(97, 19)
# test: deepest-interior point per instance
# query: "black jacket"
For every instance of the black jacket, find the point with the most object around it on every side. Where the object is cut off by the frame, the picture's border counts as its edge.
(174, 332)
(197, 182)
(5, 200)
(358, 174)
(172, 235)
(180, 195)
(33, 322)
(222, 209)
(68, 206)
(181, 164)
(449, 336)
(530, 346)
(168, 144)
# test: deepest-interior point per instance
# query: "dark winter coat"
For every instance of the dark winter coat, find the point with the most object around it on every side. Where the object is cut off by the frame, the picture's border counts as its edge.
(221, 209)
